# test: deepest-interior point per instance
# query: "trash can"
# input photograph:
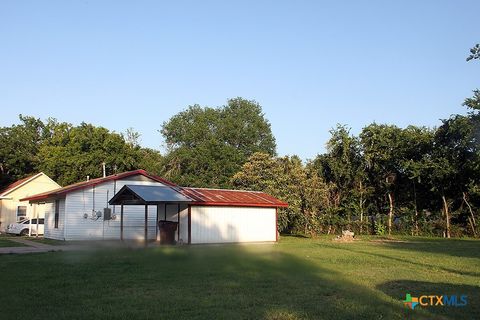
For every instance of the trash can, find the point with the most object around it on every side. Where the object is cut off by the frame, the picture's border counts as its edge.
(167, 231)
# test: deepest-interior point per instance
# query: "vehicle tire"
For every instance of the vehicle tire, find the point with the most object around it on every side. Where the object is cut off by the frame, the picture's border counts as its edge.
(24, 232)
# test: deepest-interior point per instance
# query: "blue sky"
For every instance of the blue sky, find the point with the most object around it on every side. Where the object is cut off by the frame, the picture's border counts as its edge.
(310, 64)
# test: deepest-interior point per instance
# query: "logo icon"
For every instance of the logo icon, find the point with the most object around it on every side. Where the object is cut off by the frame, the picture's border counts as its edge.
(435, 301)
(410, 302)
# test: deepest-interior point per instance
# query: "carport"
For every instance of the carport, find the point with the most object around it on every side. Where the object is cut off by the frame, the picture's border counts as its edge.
(147, 195)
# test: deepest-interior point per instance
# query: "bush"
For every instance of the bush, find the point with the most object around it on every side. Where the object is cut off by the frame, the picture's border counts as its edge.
(380, 229)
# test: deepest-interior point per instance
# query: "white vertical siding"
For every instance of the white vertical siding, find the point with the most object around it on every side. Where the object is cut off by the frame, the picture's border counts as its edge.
(87, 200)
(232, 224)
(184, 223)
(50, 230)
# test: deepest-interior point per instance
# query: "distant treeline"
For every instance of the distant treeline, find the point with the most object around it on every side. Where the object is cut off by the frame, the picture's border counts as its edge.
(414, 180)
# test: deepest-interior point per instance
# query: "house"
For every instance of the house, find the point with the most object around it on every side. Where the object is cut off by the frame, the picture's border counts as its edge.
(129, 205)
(13, 209)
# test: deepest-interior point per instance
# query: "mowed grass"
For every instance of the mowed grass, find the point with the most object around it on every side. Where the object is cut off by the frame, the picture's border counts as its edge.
(294, 279)
(6, 242)
(51, 242)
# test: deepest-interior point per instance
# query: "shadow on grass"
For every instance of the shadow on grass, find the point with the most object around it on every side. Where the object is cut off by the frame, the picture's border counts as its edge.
(467, 248)
(201, 282)
(404, 260)
(399, 288)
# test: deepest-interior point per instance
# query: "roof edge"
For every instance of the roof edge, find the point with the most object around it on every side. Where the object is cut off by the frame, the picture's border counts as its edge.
(70, 188)
(22, 184)
(239, 204)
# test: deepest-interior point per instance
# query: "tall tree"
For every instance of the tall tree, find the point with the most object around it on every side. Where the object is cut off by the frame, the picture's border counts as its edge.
(207, 146)
(19, 148)
(72, 153)
(343, 166)
(474, 101)
(382, 150)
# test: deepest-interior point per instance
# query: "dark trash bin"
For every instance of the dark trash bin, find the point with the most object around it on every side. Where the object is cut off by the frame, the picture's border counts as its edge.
(167, 231)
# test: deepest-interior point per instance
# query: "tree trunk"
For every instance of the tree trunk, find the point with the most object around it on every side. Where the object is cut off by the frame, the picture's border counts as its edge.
(361, 208)
(471, 219)
(416, 208)
(447, 216)
(390, 213)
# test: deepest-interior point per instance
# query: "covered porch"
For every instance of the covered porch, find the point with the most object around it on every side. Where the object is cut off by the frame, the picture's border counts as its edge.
(173, 208)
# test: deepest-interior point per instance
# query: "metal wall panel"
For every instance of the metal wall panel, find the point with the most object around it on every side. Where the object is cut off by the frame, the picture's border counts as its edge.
(217, 224)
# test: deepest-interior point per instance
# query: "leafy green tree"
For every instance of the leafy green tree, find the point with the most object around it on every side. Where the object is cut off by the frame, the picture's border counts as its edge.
(474, 101)
(278, 177)
(289, 180)
(456, 157)
(382, 150)
(71, 153)
(415, 192)
(19, 148)
(343, 166)
(474, 53)
(207, 146)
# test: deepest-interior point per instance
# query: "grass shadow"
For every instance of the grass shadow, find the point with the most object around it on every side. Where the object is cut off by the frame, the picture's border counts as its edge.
(405, 260)
(467, 248)
(201, 282)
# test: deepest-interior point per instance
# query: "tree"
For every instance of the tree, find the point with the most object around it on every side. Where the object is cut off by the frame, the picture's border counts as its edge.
(418, 144)
(207, 146)
(343, 167)
(19, 148)
(289, 180)
(278, 177)
(474, 102)
(382, 150)
(474, 53)
(71, 153)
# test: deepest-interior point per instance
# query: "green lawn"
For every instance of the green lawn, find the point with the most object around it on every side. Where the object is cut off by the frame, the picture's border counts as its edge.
(6, 242)
(297, 278)
(51, 242)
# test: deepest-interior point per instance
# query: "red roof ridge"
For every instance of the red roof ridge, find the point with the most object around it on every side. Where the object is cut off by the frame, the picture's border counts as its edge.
(229, 197)
(219, 189)
(94, 182)
(18, 183)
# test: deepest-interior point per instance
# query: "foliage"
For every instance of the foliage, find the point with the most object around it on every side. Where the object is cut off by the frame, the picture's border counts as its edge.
(19, 148)
(474, 53)
(412, 180)
(69, 153)
(207, 146)
(380, 229)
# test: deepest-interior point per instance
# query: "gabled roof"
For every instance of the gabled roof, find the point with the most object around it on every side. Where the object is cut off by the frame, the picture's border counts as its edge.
(140, 194)
(93, 182)
(17, 184)
(173, 193)
(223, 197)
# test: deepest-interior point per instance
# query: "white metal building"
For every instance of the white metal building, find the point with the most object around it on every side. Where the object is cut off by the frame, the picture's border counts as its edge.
(129, 205)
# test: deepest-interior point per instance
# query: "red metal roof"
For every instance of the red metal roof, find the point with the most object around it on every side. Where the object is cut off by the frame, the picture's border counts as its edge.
(222, 197)
(200, 196)
(16, 184)
(93, 182)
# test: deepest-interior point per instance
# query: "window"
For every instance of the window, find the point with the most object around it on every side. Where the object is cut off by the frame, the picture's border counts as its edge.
(34, 221)
(57, 213)
(21, 213)
(41, 221)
